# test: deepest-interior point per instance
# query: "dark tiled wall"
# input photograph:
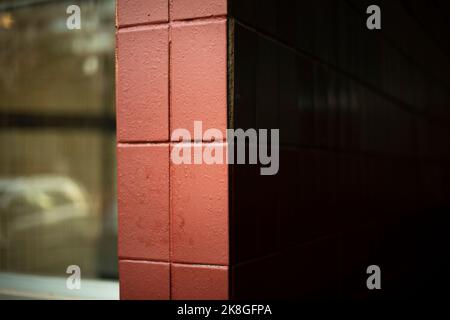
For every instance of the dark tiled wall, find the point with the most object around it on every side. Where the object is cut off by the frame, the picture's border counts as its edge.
(365, 143)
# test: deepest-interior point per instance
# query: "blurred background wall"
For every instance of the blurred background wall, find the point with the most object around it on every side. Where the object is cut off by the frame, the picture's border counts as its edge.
(364, 124)
(57, 139)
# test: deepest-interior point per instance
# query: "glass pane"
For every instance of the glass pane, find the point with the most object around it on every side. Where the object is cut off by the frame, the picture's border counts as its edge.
(57, 139)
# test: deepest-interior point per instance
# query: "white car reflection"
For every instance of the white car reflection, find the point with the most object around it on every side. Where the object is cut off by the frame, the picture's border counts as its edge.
(47, 223)
(27, 202)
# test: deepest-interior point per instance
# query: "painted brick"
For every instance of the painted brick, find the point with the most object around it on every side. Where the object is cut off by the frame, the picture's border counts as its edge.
(189, 9)
(258, 279)
(267, 81)
(309, 271)
(133, 12)
(288, 98)
(196, 282)
(289, 200)
(143, 200)
(245, 42)
(199, 212)
(142, 84)
(143, 280)
(199, 75)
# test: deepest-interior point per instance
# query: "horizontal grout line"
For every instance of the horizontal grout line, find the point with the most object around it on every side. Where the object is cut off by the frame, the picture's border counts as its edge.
(163, 23)
(141, 24)
(143, 27)
(198, 141)
(198, 21)
(282, 250)
(201, 265)
(144, 142)
(125, 259)
(194, 264)
(299, 148)
(406, 106)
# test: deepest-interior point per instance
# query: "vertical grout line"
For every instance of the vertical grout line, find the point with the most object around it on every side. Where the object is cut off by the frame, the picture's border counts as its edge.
(116, 144)
(168, 128)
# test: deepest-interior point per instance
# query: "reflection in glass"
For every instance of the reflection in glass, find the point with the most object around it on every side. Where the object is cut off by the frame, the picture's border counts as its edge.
(57, 139)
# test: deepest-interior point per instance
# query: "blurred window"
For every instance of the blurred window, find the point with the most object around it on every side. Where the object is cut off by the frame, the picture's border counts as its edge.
(57, 140)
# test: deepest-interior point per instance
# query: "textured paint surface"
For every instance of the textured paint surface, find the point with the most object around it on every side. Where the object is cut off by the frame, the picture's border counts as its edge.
(143, 280)
(143, 201)
(198, 75)
(133, 12)
(199, 282)
(199, 213)
(170, 214)
(142, 84)
(189, 9)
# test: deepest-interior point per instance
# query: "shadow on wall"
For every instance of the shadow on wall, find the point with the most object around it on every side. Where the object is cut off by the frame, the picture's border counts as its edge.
(412, 254)
(364, 154)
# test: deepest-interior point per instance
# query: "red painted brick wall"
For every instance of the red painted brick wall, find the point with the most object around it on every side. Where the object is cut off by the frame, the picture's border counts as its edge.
(364, 148)
(171, 67)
